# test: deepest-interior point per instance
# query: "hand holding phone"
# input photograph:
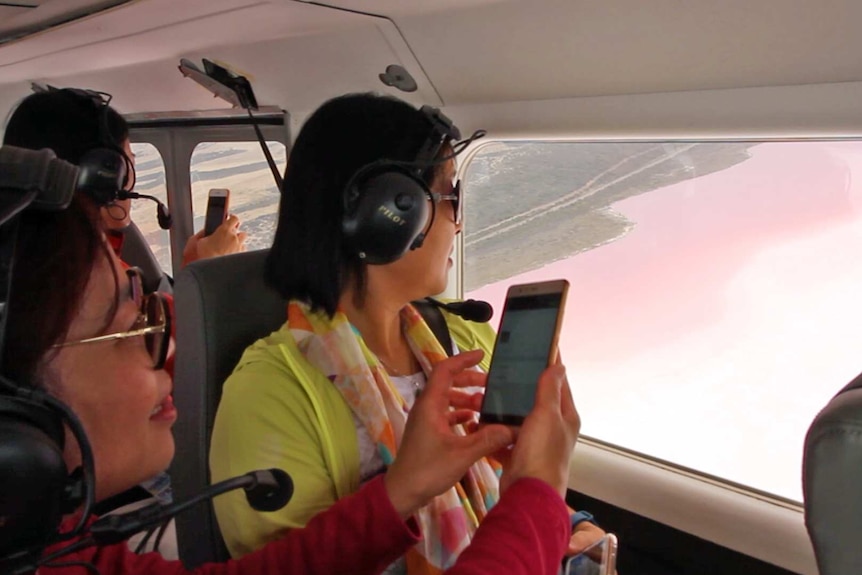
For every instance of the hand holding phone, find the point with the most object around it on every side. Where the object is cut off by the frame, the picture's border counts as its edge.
(526, 345)
(600, 558)
(217, 209)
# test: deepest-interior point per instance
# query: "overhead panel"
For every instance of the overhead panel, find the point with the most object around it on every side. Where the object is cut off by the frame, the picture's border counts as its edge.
(21, 18)
(295, 54)
(555, 49)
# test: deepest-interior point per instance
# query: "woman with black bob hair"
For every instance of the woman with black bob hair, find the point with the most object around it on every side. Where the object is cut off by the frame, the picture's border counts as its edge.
(327, 395)
(310, 259)
(79, 328)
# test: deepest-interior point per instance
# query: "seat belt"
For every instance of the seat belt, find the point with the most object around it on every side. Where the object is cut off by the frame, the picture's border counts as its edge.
(435, 320)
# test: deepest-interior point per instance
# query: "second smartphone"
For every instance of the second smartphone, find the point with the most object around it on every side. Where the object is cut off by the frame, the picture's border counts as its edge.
(526, 344)
(217, 209)
(600, 558)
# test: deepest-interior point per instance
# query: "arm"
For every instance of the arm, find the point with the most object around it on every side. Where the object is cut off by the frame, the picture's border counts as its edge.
(267, 419)
(328, 544)
(227, 239)
(525, 533)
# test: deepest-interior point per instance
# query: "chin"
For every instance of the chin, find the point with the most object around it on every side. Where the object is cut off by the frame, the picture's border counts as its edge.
(160, 459)
(120, 225)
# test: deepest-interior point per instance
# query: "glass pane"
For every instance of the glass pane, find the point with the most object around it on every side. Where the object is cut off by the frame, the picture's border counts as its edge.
(714, 304)
(150, 171)
(240, 167)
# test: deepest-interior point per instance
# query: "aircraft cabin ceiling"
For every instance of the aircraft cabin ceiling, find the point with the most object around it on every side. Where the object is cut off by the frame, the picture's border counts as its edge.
(460, 52)
(19, 18)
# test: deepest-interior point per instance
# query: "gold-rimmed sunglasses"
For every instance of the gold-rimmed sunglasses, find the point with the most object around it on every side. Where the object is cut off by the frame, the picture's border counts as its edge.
(153, 322)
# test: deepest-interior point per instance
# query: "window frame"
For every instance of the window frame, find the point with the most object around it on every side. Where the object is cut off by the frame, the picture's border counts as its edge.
(176, 137)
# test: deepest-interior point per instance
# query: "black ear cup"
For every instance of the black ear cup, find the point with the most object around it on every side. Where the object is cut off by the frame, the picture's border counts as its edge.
(386, 203)
(386, 211)
(102, 174)
(34, 474)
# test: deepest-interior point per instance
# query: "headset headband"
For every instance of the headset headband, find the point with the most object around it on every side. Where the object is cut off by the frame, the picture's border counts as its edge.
(106, 169)
(386, 202)
(442, 132)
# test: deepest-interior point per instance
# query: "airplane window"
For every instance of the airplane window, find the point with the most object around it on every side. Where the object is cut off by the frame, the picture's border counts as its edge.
(714, 305)
(240, 167)
(150, 170)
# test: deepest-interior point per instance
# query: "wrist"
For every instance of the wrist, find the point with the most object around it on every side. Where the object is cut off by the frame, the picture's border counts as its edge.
(403, 500)
(580, 517)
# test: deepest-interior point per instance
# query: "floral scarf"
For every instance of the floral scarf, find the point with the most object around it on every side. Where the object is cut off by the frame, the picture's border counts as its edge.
(336, 348)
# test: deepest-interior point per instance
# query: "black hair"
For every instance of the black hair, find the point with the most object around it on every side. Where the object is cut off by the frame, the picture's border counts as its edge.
(309, 260)
(66, 121)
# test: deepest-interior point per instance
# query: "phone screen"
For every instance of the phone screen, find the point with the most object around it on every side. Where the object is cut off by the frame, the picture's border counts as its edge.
(216, 206)
(524, 344)
(598, 559)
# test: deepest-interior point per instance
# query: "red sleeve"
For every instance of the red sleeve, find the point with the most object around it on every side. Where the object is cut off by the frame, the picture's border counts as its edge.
(526, 533)
(360, 534)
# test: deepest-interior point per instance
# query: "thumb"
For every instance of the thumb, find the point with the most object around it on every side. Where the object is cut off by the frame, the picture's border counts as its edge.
(548, 393)
(489, 440)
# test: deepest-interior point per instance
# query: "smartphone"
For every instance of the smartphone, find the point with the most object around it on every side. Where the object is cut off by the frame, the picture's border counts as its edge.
(217, 206)
(526, 344)
(600, 558)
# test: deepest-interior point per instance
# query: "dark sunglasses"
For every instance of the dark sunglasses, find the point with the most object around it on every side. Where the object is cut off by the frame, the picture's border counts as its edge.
(454, 197)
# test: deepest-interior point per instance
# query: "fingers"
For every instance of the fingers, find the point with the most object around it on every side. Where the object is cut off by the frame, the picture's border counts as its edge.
(567, 404)
(548, 394)
(459, 416)
(440, 382)
(231, 222)
(240, 238)
(470, 378)
(488, 440)
(584, 535)
(462, 400)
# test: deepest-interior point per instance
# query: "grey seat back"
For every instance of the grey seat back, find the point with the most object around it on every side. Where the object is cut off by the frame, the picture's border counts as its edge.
(832, 483)
(222, 306)
(137, 252)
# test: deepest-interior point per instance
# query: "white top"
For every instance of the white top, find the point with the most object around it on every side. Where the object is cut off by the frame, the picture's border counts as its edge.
(370, 462)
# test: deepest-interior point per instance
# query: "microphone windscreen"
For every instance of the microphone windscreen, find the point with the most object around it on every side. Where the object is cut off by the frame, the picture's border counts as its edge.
(163, 215)
(471, 309)
(25, 170)
(271, 491)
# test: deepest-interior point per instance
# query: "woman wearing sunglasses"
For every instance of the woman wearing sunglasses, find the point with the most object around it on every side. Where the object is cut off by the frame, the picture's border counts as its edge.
(327, 395)
(79, 327)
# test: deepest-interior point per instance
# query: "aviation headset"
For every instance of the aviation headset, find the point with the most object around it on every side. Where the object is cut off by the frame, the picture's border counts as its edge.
(385, 208)
(36, 486)
(33, 476)
(106, 170)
